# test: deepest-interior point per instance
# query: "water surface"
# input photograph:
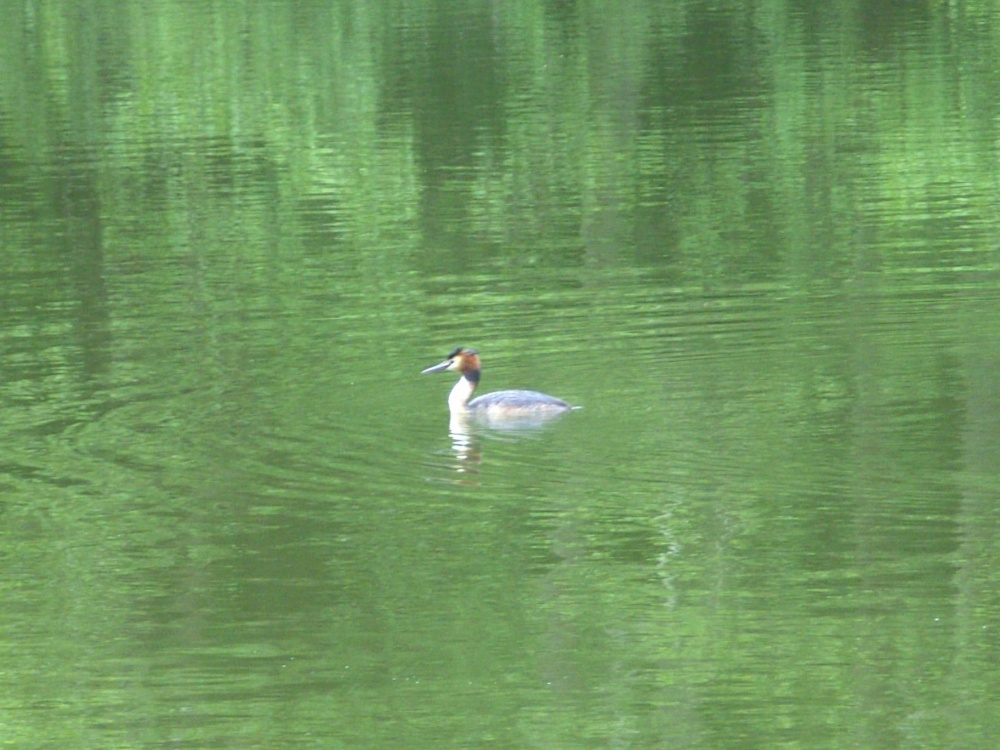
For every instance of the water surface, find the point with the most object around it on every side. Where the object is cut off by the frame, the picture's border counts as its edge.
(757, 246)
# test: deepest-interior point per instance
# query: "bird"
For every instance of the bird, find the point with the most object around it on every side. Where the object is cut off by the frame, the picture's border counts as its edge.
(499, 404)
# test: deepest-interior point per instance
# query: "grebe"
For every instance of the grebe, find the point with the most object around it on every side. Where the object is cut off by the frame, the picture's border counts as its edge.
(512, 403)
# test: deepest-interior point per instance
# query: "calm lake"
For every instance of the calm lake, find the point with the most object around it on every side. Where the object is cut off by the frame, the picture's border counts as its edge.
(757, 243)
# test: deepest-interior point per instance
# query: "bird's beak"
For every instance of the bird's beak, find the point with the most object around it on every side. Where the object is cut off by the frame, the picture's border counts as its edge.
(437, 368)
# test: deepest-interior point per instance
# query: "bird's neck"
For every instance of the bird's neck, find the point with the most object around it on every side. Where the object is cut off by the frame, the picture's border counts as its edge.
(459, 397)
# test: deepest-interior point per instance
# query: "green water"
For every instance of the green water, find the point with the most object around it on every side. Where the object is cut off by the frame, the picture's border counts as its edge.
(758, 245)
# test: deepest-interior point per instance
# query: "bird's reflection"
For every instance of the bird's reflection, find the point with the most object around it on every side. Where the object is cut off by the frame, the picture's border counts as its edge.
(468, 431)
